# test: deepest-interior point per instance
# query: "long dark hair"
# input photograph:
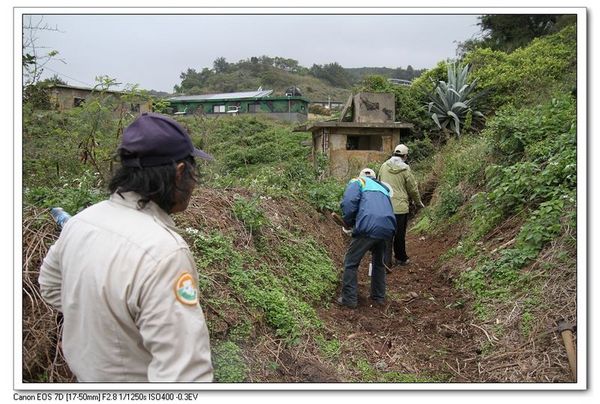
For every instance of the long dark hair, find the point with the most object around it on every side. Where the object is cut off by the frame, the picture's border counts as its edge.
(155, 184)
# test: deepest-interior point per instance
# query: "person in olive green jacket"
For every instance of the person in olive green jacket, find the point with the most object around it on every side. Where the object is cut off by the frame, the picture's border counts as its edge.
(398, 175)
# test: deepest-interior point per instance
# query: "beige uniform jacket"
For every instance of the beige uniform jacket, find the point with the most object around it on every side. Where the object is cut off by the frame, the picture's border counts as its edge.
(126, 283)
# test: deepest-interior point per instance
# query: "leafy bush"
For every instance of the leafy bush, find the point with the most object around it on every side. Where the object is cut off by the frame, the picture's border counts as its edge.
(249, 212)
(319, 110)
(451, 199)
(519, 133)
(282, 300)
(228, 362)
(309, 265)
(459, 167)
(325, 195)
(74, 195)
(531, 74)
(420, 149)
(547, 170)
(535, 179)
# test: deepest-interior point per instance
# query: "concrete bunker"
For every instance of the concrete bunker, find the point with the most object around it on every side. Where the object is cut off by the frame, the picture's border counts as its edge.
(365, 132)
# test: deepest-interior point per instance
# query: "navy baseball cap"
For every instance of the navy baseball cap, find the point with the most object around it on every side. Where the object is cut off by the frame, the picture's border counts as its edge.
(153, 140)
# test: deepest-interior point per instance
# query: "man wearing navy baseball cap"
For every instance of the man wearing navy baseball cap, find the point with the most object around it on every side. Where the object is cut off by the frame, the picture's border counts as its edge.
(124, 278)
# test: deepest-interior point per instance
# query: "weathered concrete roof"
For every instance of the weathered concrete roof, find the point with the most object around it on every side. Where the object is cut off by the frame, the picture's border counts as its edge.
(70, 87)
(223, 96)
(336, 124)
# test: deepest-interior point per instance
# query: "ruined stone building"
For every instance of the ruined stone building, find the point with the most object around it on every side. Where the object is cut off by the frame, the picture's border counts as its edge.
(366, 132)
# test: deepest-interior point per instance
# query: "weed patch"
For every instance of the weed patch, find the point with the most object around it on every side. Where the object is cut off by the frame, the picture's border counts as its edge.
(228, 362)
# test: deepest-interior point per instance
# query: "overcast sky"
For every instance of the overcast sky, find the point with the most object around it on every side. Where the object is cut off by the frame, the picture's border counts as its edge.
(152, 50)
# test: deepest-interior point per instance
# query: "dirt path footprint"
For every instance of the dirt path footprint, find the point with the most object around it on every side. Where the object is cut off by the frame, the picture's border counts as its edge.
(423, 333)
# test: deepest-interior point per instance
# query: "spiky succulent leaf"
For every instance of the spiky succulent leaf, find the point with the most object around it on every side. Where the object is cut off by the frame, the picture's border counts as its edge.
(453, 101)
(436, 120)
(456, 122)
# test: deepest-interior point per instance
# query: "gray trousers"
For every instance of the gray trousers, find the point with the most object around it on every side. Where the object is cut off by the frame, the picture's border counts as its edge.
(356, 250)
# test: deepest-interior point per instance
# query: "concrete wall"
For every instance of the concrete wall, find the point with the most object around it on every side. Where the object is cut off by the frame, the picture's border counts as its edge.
(346, 164)
(285, 116)
(65, 99)
(374, 108)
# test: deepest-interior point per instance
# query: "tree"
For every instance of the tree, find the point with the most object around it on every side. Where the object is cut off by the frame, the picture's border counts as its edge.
(289, 65)
(374, 84)
(507, 32)
(220, 65)
(55, 79)
(334, 73)
(34, 56)
(34, 59)
(191, 79)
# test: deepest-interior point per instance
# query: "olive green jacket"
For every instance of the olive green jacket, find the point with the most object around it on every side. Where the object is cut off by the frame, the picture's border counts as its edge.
(398, 175)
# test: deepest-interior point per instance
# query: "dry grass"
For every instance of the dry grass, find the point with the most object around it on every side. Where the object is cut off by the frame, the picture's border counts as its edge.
(42, 361)
(521, 342)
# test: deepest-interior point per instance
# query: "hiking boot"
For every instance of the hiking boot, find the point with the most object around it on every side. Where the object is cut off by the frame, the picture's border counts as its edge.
(340, 301)
(377, 302)
(403, 263)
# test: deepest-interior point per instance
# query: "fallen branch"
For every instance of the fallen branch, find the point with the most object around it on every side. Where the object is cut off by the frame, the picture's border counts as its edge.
(485, 332)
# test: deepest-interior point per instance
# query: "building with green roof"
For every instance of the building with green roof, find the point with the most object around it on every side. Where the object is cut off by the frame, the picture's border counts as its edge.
(292, 108)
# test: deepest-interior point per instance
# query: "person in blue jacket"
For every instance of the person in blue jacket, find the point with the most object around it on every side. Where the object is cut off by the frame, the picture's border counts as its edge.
(366, 206)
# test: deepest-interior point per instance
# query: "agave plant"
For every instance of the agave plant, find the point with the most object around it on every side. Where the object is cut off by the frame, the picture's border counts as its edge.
(453, 103)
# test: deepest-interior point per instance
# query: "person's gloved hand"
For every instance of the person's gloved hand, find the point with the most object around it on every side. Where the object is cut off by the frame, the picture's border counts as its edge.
(346, 231)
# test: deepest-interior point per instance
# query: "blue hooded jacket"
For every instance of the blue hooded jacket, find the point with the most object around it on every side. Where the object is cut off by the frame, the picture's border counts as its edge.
(367, 207)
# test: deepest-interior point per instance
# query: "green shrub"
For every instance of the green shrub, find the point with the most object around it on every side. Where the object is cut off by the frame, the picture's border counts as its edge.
(460, 173)
(420, 149)
(547, 168)
(228, 362)
(248, 211)
(450, 200)
(325, 195)
(74, 195)
(282, 300)
(531, 74)
(310, 266)
(534, 179)
(329, 348)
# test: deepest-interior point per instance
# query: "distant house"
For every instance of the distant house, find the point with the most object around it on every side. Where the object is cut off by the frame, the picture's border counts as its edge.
(329, 104)
(400, 82)
(287, 108)
(64, 97)
(370, 137)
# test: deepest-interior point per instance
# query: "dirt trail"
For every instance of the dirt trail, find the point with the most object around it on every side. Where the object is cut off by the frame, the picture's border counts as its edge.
(424, 330)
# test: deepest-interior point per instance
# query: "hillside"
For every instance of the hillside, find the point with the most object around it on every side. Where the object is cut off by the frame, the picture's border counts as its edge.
(318, 83)
(359, 73)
